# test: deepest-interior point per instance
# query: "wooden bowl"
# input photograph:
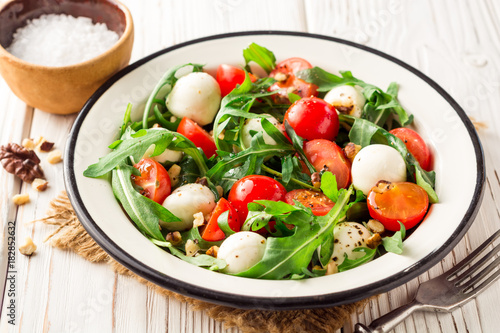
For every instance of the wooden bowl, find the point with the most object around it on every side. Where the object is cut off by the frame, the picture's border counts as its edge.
(65, 89)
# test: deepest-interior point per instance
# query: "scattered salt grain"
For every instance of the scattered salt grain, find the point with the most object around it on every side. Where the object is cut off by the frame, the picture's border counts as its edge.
(61, 40)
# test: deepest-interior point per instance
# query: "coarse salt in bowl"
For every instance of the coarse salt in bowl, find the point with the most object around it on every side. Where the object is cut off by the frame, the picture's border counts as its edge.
(54, 56)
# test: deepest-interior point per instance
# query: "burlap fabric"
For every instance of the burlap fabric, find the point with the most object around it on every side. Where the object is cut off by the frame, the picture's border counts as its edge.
(71, 235)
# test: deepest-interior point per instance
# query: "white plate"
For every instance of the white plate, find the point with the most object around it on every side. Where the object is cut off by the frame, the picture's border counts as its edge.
(458, 162)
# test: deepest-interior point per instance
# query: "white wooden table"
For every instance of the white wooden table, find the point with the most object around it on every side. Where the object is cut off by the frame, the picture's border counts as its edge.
(456, 43)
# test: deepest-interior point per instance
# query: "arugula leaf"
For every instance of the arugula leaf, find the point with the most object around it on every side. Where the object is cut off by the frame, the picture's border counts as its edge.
(163, 88)
(394, 244)
(289, 255)
(201, 260)
(249, 160)
(137, 145)
(365, 133)
(194, 235)
(223, 222)
(143, 211)
(329, 186)
(379, 104)
(350, 264)
(293, 97)
(298, 143)
(260, 55)
(164, 122)
(126, 119)
(234, 108)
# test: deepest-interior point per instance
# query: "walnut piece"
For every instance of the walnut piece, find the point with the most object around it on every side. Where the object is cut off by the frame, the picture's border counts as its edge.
(39, 184)
(21, 199)
(174, 173)
(351, 150)
(375, 226)
(199, 220)
(331, 268)
(28, 248)
(28, 144)
(54, 157)
(374, 241)
(213, 251)
(21, 162)
(175, 238)
(191, 248)
(46, 146)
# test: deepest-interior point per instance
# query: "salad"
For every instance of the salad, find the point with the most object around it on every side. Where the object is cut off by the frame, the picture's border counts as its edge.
(291, 174)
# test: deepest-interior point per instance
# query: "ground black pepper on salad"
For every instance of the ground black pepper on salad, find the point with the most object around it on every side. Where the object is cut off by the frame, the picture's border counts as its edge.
(297, 174)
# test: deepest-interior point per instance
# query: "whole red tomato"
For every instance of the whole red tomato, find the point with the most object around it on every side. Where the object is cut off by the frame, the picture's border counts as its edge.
(229, 76)
(415, 145)
(254, 187)
(313, 118)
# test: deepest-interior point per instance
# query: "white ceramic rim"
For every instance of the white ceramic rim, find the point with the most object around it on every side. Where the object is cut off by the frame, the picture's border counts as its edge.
(135, 252)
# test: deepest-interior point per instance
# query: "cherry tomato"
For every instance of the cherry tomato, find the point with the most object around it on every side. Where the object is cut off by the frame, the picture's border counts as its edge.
(287, 82)
(229, 76)
(415, 145)
(198, 136)
(319, 203)
(154, 180)
(212, 232)
(290, 66)
(392, 202)
(313, 118)
(323, 153)
(254, 187)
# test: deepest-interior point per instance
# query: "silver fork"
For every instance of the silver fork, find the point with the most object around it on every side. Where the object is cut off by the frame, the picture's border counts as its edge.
(447, 291)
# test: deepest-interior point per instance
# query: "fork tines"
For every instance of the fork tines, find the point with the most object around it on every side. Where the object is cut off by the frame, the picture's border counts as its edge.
(465, 278)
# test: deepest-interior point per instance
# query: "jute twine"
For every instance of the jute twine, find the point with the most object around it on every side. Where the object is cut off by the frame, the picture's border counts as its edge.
(71, 235)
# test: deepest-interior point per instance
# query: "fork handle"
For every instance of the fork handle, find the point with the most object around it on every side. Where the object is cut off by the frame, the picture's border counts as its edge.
(390, 320)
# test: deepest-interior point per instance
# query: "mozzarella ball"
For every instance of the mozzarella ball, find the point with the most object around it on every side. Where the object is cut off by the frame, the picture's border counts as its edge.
(255, 125)
(346, 237)
(196, 96)
(186, 201)
(241, 251)
(167, 156)
(346, 99)
(374, 163)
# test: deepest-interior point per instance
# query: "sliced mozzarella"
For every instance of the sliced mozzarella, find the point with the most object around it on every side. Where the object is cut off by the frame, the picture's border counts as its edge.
(186, 201)
(374, 163)
(346, 237)
(255, 125)
(347, 99)
(241, 251)
(196, 96)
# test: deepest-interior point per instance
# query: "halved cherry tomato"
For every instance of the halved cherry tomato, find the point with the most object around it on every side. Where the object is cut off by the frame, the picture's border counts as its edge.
(415, 145)
(154, 180)
(324, 154)
(319, 203)
(198, 136)
(212, 232)
(229, 76)
(291, 66)
(287, 82)
(313, 118)
(254, 187)
(392, 202)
